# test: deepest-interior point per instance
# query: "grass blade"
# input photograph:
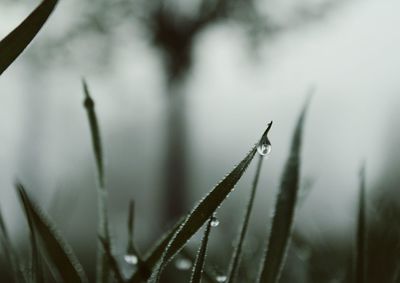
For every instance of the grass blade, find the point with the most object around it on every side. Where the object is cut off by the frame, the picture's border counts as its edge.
(36, 266)
(103, 269)
(57, 250)
(284, 209)
(9, 252)
(112, 261)
(201, 256)
(95, 131)
(235, 260)
(202, 212)
(361, 232)
(15, 42)
(151, 258)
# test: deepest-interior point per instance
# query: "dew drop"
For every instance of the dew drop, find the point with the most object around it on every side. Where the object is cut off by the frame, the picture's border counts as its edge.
(214, 221)
(131, 259)
(183, 264)
(264, 148)
(221, 278)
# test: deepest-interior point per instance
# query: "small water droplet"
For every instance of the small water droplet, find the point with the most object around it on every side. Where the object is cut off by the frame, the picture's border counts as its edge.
(264, 148)
(221, 278)
(214, 221)
(183, 264)
(131, 259)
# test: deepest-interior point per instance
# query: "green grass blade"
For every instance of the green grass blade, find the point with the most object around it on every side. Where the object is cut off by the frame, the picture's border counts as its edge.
(361, 232)
(10, 253)
(103, 268)
(205, 209)
(15, 42)
(201, 256)
(36, 265)
(58, 252)
(95, 131)
(235, 260)
(131, 248)
(209, 274)
(282, 222)
(112, 261)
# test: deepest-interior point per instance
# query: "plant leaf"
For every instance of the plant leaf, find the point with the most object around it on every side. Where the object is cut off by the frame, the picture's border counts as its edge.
(361, 232)
(11, 255)
(235, 260)
(15, 42)
(112, 261)
(201, 255)
(202, 212)
(282, 221)
(59, 253)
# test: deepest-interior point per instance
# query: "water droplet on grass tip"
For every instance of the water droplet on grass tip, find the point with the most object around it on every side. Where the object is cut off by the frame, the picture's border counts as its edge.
(264, 146)
(221, 278)
(264, 149)
(131, 259)
(183, 264)
(214, 221)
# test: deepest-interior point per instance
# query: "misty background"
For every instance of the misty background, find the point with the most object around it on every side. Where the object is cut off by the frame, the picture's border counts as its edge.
(239, 79)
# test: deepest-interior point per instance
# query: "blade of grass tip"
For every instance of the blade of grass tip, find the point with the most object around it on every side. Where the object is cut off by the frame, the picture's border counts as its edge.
(235, 260)
(103, 230)
(361, 232)
(201, 255)
(95, 131)
(112, 261)
(36, 266)
(204, 209)
(282, 221)
(56, 249)
(16, 41)
(10, 253)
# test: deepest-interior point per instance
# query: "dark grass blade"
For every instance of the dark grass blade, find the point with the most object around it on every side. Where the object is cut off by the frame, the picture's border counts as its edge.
(95, 131)
(235, 260)
(15, 42)
(201, 256)
(202, 212)
(176, 238)
(36, 264)
(360, 263)
(284, 209)
(58, 252)
(103, 269)
(112, 261)
(131, 248)
(9, 252)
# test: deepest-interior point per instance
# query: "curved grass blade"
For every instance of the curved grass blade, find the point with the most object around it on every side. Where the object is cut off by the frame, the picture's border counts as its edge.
(103, 269)
(15, 42)
(361, 260)
(202, 212)
(235, 260)
(282, 222)
(59, 253)
(112, 261)
(9, 252)
(201, 256)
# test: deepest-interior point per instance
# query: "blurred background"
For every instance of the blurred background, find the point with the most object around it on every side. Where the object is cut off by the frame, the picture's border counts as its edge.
(183, 89)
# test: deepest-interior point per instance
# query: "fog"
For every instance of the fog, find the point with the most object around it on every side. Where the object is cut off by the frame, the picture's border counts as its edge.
(349, 56)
